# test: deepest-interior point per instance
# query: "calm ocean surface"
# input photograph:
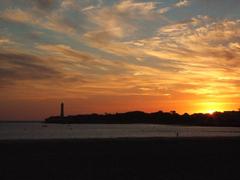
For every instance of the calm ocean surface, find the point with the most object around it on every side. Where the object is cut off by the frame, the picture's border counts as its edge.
(38, 130)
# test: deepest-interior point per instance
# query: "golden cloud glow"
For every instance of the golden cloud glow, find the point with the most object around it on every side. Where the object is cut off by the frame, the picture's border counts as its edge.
(120, 51)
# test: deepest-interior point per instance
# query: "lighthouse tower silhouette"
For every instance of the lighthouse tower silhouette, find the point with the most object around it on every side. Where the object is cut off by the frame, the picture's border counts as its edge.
(62, 110)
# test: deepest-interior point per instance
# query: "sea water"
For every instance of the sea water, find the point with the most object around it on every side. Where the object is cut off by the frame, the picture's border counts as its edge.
(39, 130)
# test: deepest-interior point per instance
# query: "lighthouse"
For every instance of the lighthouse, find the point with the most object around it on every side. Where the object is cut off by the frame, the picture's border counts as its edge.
(62, 110)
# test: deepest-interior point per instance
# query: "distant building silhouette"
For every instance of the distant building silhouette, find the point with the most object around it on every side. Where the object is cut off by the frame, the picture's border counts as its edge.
(62, 110)
(226, 118)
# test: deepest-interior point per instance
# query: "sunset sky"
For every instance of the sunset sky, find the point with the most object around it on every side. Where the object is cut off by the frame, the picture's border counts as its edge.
(115, 56)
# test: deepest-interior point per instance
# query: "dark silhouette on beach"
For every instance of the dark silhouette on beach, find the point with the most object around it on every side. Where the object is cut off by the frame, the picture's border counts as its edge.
(226, 118)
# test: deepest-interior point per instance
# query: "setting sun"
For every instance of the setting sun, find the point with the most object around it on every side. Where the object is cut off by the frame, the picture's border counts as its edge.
(210, 111)
(211, 107)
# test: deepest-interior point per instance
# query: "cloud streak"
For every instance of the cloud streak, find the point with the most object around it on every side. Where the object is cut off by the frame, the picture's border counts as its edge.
(182, 3)
(167, 50)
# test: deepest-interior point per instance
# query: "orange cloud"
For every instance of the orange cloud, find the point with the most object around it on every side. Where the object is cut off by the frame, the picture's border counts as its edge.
(194, 62)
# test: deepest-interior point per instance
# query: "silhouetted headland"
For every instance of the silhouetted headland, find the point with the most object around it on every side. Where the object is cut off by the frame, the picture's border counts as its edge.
(227, 118)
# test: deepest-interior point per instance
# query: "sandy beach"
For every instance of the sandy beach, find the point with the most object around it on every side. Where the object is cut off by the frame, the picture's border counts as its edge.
(121, 158)
(98, 151)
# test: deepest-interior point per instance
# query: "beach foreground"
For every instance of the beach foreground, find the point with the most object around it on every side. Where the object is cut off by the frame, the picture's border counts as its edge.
(121, 158)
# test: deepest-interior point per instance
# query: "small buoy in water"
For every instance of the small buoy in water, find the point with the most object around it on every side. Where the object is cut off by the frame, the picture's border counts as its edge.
(177, 134)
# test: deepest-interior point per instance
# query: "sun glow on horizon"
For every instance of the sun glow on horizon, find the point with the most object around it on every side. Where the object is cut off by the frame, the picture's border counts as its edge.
(210, 111)
(212, 107)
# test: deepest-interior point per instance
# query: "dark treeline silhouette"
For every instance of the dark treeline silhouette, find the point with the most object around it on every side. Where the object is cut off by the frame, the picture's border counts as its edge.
(227, 118)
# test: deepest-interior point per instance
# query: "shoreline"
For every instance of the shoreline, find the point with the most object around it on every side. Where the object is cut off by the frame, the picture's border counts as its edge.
(122, 139)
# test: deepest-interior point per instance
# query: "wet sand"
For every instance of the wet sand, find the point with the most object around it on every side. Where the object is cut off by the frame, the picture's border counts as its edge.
(121, 158)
